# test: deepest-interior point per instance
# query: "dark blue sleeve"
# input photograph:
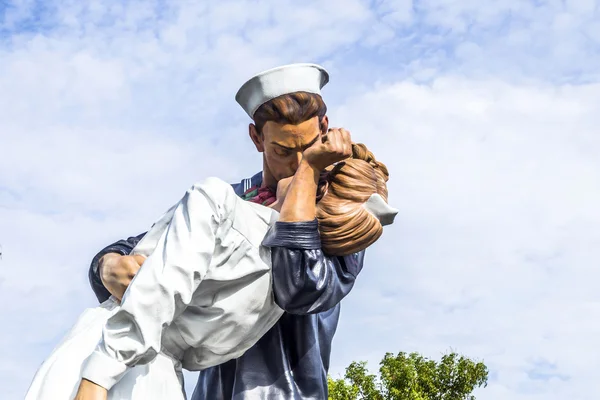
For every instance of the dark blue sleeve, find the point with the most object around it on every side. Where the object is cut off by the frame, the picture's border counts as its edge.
(305, 280)
(122, 247)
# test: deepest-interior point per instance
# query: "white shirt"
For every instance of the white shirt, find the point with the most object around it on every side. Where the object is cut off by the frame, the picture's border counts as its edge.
(203, 295)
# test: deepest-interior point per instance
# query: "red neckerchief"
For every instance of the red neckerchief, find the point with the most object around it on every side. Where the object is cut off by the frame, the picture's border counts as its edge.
(260, 195)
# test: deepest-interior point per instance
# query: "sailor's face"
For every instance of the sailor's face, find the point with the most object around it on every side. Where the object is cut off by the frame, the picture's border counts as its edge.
(283, 145)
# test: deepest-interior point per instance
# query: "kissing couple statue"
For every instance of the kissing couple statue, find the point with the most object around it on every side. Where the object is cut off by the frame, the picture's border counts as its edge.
(241, 282)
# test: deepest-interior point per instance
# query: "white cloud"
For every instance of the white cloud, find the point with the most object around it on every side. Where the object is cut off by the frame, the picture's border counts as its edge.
(493, 250)
(486, 115)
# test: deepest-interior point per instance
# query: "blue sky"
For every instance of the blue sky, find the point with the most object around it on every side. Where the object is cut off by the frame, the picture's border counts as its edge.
(486, 114)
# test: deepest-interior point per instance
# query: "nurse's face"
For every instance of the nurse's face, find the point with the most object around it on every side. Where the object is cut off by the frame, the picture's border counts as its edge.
(282, 189)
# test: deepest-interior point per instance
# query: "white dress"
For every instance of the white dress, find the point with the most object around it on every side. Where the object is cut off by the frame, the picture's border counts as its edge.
(202, 297)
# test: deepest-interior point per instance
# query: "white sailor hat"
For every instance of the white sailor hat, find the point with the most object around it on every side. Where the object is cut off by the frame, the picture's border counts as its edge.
(276, 82)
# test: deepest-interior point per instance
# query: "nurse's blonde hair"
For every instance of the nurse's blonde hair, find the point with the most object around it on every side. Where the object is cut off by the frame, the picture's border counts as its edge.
(346, 227)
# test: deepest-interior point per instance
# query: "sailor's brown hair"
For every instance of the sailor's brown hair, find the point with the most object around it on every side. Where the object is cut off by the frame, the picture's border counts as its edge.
(292, 108)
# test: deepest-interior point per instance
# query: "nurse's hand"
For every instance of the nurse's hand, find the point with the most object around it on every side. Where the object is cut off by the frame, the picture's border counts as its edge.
(90, 391)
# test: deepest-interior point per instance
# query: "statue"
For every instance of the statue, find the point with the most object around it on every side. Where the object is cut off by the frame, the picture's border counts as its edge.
(228, 269)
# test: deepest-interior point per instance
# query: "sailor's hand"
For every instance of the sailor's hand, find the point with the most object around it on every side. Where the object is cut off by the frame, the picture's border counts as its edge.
(117, 271)
(334, 146)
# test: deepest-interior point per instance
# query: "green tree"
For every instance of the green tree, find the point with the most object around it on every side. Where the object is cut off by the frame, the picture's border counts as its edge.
(411, 377)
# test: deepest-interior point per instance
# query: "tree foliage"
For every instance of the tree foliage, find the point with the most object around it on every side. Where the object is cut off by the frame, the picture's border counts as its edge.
(411, 377)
